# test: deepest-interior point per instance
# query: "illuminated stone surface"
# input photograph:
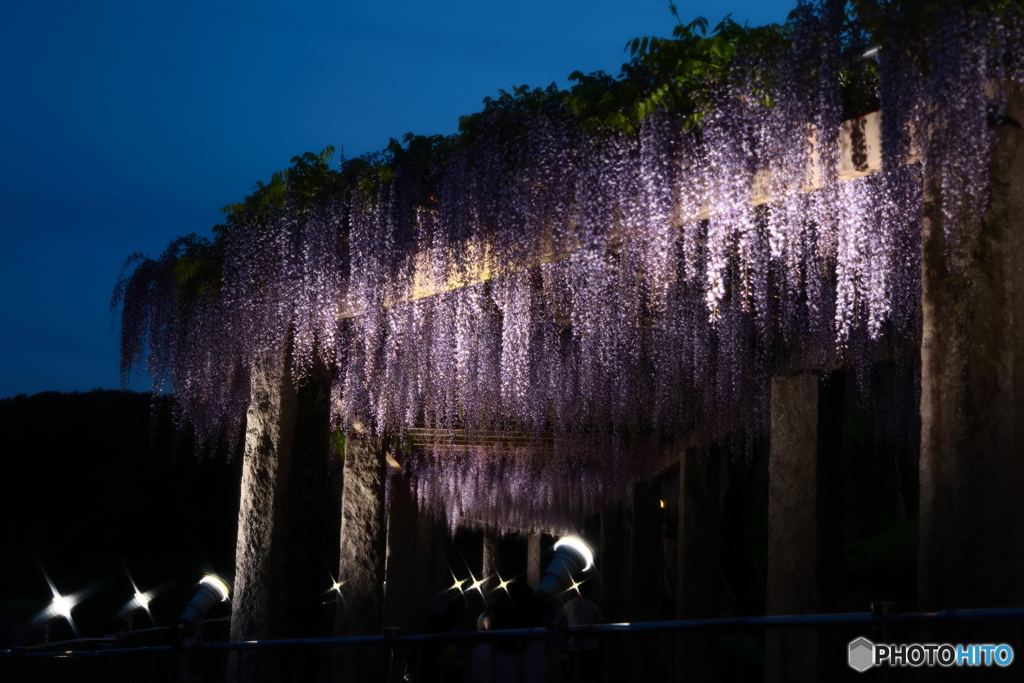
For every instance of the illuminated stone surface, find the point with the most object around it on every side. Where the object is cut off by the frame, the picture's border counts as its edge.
(533, 568)
(267, 443)
(491, 561)
(281, 519)
(792, 525)
(972, 400)
(363, 538)
(401, 601)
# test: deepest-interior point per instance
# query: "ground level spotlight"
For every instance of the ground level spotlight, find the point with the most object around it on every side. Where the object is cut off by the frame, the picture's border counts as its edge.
(573, 557)
(212, 590)
(139, 601)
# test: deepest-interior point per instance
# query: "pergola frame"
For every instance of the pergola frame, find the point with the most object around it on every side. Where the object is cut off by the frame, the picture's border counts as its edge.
(971, 464)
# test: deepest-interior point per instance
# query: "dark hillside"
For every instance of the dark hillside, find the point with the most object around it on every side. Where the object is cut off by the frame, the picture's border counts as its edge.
(90, 481)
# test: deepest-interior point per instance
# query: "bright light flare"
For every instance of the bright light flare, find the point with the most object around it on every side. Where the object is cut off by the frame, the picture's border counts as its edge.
(457, 585)
(575, 587)
(477, 585)
(140, 601)
(217, 584)
(502, 584)
(334, 586)
(580, 547)
(62, 605)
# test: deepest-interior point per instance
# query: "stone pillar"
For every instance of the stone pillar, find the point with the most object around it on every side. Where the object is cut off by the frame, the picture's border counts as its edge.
(645, 554)
(645, 572)
(490, 561)
(279, 553)
(440, 574)
(332, 531)
(971, 552)
(268, 439)
(533, 568)
(792, 525)
(805, 517)
(400, 599)
(363, 538)
(829, 497)
(699, 578)
(424, 572)
(592, 536)
(613, 563)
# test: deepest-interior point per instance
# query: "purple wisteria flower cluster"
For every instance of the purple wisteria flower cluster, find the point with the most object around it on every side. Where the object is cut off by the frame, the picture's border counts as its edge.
(595, 294)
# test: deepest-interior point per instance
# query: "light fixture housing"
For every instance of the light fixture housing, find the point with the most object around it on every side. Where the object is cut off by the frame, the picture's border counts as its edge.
(580, 547)
(218, 585)
(139, 601)
(573, 557)
(212, 590)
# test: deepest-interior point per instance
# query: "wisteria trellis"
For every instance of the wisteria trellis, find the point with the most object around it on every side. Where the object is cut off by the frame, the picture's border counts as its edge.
(636, 293)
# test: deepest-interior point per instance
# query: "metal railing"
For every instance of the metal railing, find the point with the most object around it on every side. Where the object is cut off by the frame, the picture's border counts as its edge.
(808, 647)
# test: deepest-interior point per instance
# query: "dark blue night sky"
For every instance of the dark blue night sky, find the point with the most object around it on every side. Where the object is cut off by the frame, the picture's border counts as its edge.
(125, 124)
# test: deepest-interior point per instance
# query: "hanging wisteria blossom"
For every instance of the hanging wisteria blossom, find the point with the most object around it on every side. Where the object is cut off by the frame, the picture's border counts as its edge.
(541, 305)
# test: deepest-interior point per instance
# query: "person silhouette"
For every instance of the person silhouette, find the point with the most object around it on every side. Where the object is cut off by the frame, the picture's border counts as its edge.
(500, 661)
